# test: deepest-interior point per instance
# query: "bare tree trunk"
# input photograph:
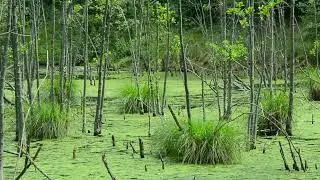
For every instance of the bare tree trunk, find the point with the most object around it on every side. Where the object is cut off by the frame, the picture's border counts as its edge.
(272, 53)
(292, 71)
(53, 49)
(3, 62)
(184, 67)
(214, 62)
(204, 117)
(316, 23)
(166, 64)
(229, 103)
(63, 53)
(137, 50)
(157, 59)
(252, 123)
(284, 48)
(17, 75)
(102, 70)
(223, 22)
(84, 121)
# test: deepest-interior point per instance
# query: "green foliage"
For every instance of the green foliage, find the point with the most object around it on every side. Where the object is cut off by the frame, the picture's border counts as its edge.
(232, 52)
(315, 48)
(242, 12)
(275, 109)
(47, 122)
(131, 98)
(264, 10)
(202, 143)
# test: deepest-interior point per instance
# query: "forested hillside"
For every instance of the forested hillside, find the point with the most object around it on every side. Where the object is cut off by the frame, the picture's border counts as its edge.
(161, 89)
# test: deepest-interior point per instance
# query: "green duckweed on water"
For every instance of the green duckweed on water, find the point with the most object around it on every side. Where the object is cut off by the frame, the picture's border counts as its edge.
(56, 156)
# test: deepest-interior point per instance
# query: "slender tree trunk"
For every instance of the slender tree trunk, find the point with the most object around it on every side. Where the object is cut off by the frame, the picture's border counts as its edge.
(229, 103)
(272, 52)
(184, 67)
(84, 96)
(316, 23)
(3, 62)
(166, 64)
(53, 51)
(63, 53)
(223, 21)
(252, 122)
(292, 71)
(157, 59)
(284, 49)
(204, 117)
(214, 62)
(17, 75)
(102, 70)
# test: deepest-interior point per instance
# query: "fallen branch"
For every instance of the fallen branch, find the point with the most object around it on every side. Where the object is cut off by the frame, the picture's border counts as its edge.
(29, 164)
(133, 150)
(283, 157)
(175, 118)
(162, 161)
(105, 162)
(8, 101)
(13, 153)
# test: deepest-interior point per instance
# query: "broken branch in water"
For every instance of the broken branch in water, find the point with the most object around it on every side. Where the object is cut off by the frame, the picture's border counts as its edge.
(105, 162)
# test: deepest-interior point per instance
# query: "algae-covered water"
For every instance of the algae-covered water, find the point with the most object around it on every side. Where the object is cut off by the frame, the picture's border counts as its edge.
(56, 156)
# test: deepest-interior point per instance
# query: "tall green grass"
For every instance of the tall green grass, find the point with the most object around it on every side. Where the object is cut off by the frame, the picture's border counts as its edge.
(47, 122)
(275, 112)
(202, 143)
(71, 91)
(132, 101)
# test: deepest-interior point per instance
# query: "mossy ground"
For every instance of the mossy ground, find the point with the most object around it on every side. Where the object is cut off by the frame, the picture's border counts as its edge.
(56, 159)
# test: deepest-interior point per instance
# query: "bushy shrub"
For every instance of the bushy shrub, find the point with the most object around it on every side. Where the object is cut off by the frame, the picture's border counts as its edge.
(275, 112)
(132, 101)
(47, 122)
(202, 143)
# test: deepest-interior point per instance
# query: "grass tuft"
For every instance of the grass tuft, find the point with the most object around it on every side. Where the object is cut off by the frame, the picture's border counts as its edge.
(202, 143)
(71, 92)
(47, 122)
(132, 101)
(275, 108)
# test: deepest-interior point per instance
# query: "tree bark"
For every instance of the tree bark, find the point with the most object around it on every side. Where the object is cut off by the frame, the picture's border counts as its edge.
(251, 123)
(102, 70)
(84, 121)
(166, 64)
(63, 53)
(184, 67)
(53, 51)
(3, 62)
(292, 71)
(17, 75)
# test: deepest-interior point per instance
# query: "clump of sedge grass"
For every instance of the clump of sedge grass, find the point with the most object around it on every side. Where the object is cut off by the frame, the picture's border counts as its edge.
(201, 143)
(275, 109)
(70, 91)
(47, 122)
(132, 101)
